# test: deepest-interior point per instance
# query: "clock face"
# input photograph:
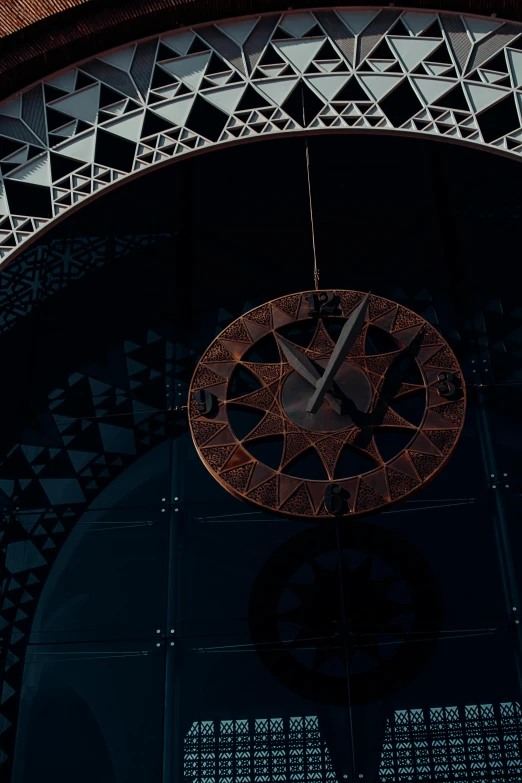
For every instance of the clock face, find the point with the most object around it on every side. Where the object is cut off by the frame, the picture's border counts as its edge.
(356, 385)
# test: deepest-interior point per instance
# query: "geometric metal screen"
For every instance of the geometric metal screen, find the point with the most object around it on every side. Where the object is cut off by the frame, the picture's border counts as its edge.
(46, 269)
(454, 744)
(377, 70)
(439, 744)
(264, 750)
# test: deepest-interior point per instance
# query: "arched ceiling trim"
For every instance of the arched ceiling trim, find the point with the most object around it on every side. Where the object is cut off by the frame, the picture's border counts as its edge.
(90, 127)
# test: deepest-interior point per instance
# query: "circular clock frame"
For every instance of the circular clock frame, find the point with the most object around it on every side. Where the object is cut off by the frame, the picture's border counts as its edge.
(227, 457)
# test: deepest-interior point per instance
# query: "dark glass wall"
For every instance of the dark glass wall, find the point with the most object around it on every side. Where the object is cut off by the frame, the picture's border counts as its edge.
(142, 602)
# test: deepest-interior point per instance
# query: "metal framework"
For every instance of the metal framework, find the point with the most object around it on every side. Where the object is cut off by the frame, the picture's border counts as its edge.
(70, 137)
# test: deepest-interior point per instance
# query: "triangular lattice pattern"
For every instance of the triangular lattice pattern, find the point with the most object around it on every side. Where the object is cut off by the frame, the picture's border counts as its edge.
(94, 125)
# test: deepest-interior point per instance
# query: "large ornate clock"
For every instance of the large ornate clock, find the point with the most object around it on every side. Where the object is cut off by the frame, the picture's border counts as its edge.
(327, 374)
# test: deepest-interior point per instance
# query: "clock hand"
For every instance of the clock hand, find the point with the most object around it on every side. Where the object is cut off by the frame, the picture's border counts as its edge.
(349, 334)
(302, 364)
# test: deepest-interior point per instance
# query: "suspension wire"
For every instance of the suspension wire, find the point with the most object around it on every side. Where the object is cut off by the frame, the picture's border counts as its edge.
(183, 408)
(451, 633)
(85, 657)
(310, 205)
(486, 385)
(429, 507)
(253, 648)
(316, 270)
(149, 411)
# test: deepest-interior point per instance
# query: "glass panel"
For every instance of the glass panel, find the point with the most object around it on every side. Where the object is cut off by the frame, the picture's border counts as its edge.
(91, 711)
(110, 580)
(258, 618)
(246, 709)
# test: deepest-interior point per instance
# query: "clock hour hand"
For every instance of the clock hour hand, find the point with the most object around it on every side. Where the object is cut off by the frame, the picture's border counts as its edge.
(302, 364)
(349, 334)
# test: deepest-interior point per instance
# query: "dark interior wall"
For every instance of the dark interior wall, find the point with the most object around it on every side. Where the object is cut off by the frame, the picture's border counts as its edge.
(431, 225)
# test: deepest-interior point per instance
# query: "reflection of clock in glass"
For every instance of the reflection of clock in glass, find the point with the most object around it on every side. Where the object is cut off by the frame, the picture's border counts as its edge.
(382, 631)
(326, 403)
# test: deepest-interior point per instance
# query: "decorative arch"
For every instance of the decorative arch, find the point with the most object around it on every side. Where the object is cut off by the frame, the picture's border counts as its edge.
(84, 130)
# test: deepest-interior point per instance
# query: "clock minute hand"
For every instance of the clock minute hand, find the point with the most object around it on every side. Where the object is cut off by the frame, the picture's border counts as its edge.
(302, 364)
(349, 334)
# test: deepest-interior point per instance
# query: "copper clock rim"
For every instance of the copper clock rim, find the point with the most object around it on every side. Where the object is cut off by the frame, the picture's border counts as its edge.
(351, 514)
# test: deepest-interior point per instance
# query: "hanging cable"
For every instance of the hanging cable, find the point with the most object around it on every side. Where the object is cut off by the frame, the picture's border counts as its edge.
(316, 270)
(307, 156)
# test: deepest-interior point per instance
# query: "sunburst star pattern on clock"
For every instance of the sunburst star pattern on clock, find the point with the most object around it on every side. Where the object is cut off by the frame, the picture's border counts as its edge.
(336, 392)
